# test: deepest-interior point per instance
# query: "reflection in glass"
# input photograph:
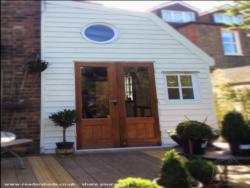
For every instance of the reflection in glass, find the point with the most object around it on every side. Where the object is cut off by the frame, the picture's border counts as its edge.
(186, 80)
(173, 93)
(137, 92)
(172, 81)
(187, 93)
(94, 92)
(99, 33)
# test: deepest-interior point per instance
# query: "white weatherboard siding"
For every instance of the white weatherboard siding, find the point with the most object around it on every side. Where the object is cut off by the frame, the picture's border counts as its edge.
(141, 37)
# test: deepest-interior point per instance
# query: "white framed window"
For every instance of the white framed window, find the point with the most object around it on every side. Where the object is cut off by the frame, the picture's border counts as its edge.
(231, 42)
(182, 86)
(177, 16)
(224, 18)
(99, 33)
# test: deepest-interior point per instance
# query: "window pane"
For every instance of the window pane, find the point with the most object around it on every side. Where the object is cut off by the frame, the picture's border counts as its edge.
(178, 16)
(227, 19)
(99, 33)
(137, 92)
(229, 48)
(188, 16)
(187, 93)
(237, 20)
(173, 93)
(167, 16)
(172, 81)
(227, 37)
(186, 80)
(95, 101)
(218, 18)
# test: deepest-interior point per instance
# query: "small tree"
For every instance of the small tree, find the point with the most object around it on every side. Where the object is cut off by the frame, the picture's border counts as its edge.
(64, 119)
(240, 8)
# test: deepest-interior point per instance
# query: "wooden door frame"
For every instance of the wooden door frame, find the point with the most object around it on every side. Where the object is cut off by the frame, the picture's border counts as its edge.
(154, 103)
(112, 94)
(116, 66)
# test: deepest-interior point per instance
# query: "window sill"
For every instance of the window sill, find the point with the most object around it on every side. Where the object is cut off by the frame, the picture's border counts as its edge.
(233, 55)
(187, 101)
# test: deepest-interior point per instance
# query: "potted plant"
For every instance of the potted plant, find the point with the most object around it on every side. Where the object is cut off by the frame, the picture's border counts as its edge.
(204, 171)
(195, 136)
(174, 172)
(64, 119)
(245, 142)
(135, 183)
(37, 66)
(233, 130)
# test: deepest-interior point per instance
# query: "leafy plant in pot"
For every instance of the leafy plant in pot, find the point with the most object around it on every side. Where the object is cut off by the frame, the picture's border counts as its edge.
(135, 183)
(203, 170)
(174, 173)
(194, 135)
(64, 119)
(234, 130)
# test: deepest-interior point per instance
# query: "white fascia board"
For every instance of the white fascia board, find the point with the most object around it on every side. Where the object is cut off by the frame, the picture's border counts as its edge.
(180, 38)
(166, 4)
(82, 5)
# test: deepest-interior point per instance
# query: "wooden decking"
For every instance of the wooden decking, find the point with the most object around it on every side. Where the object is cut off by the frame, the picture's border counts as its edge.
(89, 170)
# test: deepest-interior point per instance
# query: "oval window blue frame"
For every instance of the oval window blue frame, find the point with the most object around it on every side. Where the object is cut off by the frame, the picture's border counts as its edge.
(99, 33)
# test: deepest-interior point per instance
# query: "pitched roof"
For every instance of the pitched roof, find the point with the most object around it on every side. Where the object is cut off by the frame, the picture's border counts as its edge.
(165, 4)
(215, 9)
(237, 75)
(158, 21)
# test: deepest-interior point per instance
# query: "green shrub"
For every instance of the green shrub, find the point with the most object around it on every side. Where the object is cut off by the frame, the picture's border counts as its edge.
(174, 173)
(246, 135)
(194, 130)
(233, 126)
(202, 170)
(64, 119)
(135, 183)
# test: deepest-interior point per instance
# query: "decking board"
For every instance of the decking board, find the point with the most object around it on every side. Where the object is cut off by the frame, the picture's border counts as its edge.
(41, 171)
(92, 170)
(59, 173)
(79, 174)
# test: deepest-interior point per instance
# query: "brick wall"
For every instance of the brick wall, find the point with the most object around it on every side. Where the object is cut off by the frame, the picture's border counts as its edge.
(20, 44)
(208, 38)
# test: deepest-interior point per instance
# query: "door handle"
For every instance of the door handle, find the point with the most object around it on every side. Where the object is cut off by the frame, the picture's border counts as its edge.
(114, 101)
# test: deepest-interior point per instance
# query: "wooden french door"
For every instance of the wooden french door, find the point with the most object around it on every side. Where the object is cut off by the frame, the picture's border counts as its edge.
(116, 105)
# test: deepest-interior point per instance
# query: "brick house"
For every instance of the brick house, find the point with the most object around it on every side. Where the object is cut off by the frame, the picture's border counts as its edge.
(229, 48)
(207, 31)
(130, 76)
(20, 44)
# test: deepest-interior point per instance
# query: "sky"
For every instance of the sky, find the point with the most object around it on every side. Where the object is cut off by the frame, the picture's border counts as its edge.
(145, 5)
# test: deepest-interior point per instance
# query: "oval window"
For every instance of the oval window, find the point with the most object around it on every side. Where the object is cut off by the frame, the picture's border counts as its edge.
(99, 33)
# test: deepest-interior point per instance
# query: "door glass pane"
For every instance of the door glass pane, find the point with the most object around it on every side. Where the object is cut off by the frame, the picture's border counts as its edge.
(137, 92)
(95, 101)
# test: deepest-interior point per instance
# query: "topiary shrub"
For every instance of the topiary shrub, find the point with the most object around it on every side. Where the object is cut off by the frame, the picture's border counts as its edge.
(202, 170)
(64, 119)
(194, 130)
(135, 183)
(233, 126)
(174, 173)
(194, 135)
